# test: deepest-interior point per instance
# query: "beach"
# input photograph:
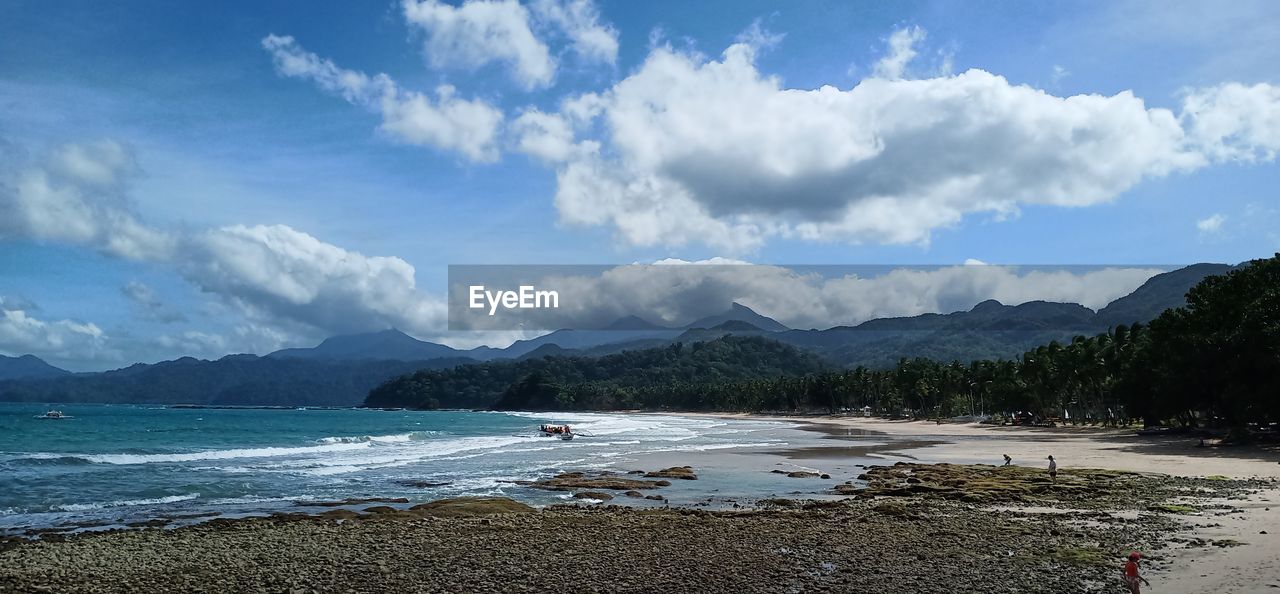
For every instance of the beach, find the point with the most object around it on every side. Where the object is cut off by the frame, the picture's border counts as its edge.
(909, 525)
(1251, 566)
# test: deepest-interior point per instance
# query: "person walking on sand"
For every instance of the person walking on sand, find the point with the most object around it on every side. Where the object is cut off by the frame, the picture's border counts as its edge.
(1131, 576)
(1007, 460)
(1053, 469)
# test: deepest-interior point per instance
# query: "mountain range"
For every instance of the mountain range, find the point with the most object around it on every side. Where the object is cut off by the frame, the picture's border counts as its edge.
(28, 367)
(341, 370)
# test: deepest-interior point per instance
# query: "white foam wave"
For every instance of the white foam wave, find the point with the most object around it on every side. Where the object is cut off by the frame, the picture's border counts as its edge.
(79, 507)
(398, 438)
(718, 446)
(252, 499)
(276, 452)
(401, 455)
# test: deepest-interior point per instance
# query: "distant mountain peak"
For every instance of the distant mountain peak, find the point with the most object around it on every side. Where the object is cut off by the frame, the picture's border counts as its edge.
(742, 313)
(28, 367)
(988, 306)
(389, 344)
(1160, 292)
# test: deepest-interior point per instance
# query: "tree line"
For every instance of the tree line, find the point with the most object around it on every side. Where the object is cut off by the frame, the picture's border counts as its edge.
(1214, 361)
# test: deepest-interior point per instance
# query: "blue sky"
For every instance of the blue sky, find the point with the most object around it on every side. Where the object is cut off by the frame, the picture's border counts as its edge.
(204, 129)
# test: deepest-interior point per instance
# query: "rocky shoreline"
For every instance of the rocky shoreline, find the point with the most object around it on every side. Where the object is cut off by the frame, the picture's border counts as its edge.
(914, 528)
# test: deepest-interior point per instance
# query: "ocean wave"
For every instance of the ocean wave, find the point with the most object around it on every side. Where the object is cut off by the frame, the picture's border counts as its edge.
(716, 446)
(250, 499)
(398, 438)
(79, 507)
(52, 459)
(393, 457)
(128, 459)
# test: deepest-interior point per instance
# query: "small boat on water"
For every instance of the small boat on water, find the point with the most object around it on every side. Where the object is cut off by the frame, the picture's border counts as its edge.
(556, 431)
(53, 415)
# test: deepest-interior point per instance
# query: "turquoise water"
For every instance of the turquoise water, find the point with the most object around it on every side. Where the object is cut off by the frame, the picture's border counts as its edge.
(122, 462)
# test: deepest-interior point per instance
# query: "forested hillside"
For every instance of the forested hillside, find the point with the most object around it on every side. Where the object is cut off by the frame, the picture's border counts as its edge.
(232, 380)
(1214, 361)
(551, 380)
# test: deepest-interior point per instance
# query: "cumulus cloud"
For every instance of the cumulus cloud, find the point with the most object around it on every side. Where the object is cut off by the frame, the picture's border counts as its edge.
(443, 121)
(77, 196)
(580, 22)
(287, 273)
(546, 136)
(1212, 223)
(22, 333)
(479, 32)
(714, 151)
(1234, 122)
(150, 304)
(275, 274)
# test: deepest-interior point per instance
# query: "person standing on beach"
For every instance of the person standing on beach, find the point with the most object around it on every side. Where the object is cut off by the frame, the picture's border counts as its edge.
(1007, 460)
(1053, 468)
(1131, 576)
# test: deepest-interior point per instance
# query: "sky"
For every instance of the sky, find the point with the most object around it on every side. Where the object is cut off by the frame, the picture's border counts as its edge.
(212, 178)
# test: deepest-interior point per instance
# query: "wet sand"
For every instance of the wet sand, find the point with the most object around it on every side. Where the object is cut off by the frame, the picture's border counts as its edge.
(1252, 566)
(975, 529)
(898, 543)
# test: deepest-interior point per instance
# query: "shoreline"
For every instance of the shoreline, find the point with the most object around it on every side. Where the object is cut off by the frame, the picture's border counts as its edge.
(1085, 447)
(1254, 523)
(891, 537)
(1222, 544)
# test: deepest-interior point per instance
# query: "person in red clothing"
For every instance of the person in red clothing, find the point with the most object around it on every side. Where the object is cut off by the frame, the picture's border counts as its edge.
(1131, 577)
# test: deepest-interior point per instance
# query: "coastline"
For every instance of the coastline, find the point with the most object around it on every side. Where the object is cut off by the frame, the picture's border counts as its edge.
(1254, 522)
(919, 543)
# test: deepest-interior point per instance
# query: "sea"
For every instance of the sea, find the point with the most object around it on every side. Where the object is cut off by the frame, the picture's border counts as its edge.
(112, 465)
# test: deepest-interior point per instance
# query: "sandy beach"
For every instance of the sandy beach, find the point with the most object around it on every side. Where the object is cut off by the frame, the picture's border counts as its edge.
(1206, 518)
(1252, 566)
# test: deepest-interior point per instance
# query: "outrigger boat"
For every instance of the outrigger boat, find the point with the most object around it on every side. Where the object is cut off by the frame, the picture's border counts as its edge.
(561, 431)
(53, 415)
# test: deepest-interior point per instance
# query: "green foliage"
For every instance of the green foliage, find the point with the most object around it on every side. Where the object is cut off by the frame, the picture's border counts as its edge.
(679, 375)
(1217, 360)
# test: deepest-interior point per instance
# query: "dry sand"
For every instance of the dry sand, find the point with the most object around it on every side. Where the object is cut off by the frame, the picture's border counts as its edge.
(1253, 566)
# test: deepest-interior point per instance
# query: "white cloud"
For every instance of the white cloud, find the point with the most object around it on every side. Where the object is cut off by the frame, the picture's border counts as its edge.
(21, 334)
(468, 126)
(77, 196)
(1212, 223)
(283, 272)
(1235, 122)
(275, 274)
(551, 137)
(479, 32)
(580, 22)
(543, 135)
(713, 151)
(672, 294)
(902, 49)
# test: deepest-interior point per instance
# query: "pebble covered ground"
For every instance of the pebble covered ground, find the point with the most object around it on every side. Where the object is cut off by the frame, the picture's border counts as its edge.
(914, 539)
